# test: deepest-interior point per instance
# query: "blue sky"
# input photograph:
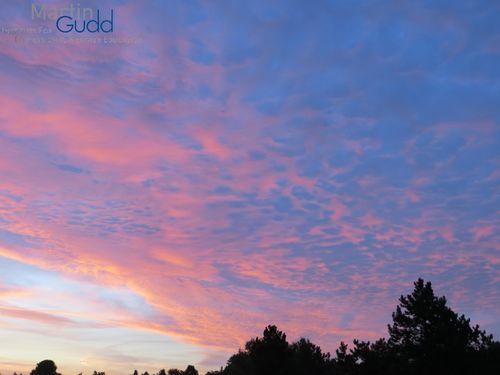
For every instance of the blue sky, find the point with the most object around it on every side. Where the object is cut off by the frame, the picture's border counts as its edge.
(217, 166)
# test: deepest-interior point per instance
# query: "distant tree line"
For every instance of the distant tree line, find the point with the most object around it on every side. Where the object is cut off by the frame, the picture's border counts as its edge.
(426, 337)
(48, 367)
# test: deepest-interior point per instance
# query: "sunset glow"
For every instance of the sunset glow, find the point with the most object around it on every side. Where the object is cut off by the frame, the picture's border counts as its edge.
(217, 166)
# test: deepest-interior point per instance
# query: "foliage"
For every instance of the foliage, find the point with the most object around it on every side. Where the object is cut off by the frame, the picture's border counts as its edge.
(46, 367)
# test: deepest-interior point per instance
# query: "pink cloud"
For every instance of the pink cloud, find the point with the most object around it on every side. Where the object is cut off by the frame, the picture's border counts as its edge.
(483, 231)
(38, 316)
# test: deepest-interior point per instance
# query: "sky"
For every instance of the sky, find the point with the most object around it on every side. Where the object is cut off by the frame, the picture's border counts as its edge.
(211, 167)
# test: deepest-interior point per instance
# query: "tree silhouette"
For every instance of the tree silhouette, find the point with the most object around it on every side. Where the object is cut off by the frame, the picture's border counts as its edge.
(240, 364)
(262, 356)
(270, 353)
(273, 355)
(190, 370)
(45, 367)
(366, 358)
(428, 337)
(344, 362)
(308, 358)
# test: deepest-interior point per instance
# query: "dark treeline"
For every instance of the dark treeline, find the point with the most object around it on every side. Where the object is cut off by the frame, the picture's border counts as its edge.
(426, 337)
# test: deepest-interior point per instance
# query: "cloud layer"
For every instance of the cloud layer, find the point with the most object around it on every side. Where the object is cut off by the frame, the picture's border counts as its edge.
(246, 164)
